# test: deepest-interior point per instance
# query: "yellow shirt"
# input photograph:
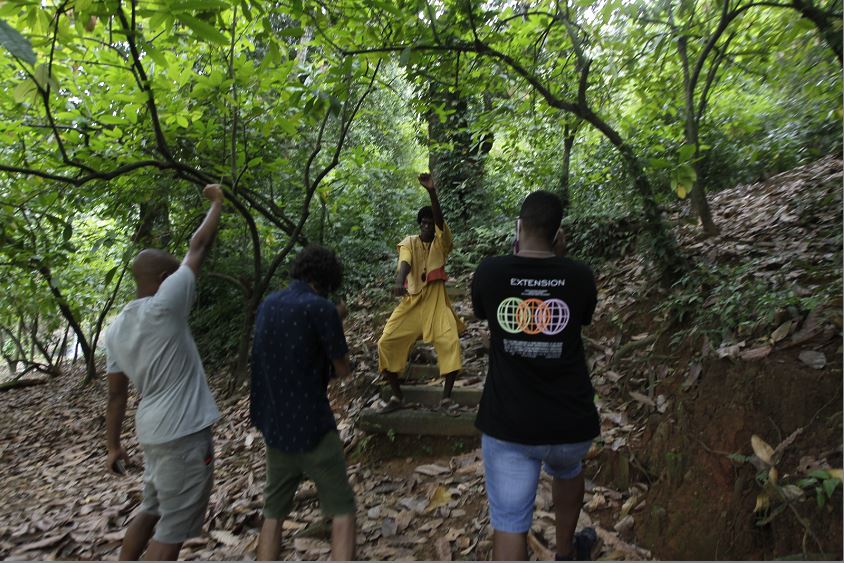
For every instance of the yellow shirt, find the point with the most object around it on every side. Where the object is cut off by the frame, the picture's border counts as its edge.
(425, 258)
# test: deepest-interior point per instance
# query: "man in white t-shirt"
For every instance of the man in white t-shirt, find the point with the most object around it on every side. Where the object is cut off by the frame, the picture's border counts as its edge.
(150, 344)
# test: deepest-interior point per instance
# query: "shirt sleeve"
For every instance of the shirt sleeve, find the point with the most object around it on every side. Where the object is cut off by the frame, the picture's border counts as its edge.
(405, 254)
(177, 292)
(445, 238)
(477, 299)
(329, 327)
(111, 362)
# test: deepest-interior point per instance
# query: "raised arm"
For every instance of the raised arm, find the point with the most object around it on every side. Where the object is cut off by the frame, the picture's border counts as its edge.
(203, 238)
(427, 182)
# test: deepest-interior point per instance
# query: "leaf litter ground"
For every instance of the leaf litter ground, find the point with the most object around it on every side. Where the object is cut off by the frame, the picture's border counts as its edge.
(58, 503)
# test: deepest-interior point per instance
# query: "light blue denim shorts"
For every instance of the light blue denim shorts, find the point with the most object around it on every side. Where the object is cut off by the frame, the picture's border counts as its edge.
(512, 476)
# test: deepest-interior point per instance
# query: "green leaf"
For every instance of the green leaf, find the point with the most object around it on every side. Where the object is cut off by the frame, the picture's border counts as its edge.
(659, 163)
(24, 91)
(110, 275)
(686, 152)
(67, 232)
(830, 485)
(296, 32)
(404, 58)
(819, 474)
(15, 43)
(202, 29)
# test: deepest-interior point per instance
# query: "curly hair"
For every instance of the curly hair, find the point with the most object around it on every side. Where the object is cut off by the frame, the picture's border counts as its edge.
(319, 266)
(424, 213)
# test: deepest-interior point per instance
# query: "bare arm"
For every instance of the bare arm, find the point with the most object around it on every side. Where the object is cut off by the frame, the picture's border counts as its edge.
(118, 392)
(342, 367)
(427, 182)
(401, 275)
(204, 236)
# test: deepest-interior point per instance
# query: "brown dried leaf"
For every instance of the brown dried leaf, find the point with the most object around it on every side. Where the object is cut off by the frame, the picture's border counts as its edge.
(642, 399)
(440, 497)
(781, 332)
(432, 470)
(762, 450)
(225, 538)
(442, 547)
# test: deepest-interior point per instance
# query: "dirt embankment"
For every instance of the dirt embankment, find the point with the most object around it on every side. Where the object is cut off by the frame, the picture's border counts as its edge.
(680, 407)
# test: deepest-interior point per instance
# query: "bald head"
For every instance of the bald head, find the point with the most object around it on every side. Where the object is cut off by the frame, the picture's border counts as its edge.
(150, 267)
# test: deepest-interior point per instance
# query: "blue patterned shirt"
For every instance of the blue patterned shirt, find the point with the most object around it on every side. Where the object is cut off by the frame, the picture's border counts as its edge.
(297, 335)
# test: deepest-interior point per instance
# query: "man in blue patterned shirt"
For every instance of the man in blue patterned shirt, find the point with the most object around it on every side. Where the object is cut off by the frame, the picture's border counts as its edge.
(299, 345)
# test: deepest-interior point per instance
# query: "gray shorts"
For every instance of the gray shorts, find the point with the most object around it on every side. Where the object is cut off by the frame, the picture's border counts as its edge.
(177, 485)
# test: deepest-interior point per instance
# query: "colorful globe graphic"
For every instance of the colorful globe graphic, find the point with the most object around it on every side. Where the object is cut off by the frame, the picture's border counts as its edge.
(533, 316)
(530, 317)
(555, 316)
(508, 315)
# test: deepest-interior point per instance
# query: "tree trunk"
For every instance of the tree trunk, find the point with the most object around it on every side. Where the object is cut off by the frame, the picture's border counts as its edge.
(240, 369)
(664, 249)
(70, 317)
(153, 229)
(459, 169)
(698, 195)
(568, 142)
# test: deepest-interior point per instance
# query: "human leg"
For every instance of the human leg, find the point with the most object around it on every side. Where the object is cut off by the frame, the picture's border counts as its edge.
(161, 551)
(400, 332)
(343, 537)
(284, 474)
(137, 536)
(269, 540)
(564, 464)
(449, 384)
(444, 333)
(183, 480)
(512, 476)
(568, 498)
(326, 466)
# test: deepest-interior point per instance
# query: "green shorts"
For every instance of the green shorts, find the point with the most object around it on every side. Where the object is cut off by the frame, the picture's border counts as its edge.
(324, 465)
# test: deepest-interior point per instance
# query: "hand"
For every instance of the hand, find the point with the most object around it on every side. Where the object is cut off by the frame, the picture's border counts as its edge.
(213, 192)
(117, 460)
(559, 246)
(400, 291)
(427, 181)
(342, 309)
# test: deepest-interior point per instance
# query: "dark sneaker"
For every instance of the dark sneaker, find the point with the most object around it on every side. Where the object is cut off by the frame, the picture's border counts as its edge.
(585, 546)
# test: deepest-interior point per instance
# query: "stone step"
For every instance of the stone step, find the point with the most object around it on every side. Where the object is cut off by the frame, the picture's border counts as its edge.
(430, 395)
(455, 291)
(418, 422)
(421, 371)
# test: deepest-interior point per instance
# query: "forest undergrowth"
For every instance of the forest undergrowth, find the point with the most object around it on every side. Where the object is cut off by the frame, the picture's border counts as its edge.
(720, 400)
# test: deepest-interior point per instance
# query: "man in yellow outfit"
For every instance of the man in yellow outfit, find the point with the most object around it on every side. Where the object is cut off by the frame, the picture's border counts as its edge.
(424, 310)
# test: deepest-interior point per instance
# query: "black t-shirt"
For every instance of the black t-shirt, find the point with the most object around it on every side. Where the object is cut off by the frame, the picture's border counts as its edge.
(537, 389)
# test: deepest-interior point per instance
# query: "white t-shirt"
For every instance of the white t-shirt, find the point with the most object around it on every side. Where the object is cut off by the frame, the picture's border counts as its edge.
(151, 343)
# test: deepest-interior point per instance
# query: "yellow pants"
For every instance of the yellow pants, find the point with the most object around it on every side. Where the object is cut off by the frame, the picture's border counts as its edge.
(427, 315)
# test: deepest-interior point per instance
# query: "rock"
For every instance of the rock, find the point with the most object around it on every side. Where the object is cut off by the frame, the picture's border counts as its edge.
(815, 360)
(432, 470)
(755, 353)
(389, 527)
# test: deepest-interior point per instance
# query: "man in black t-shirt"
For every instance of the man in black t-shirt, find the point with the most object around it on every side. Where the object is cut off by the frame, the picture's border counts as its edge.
(538, 404)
